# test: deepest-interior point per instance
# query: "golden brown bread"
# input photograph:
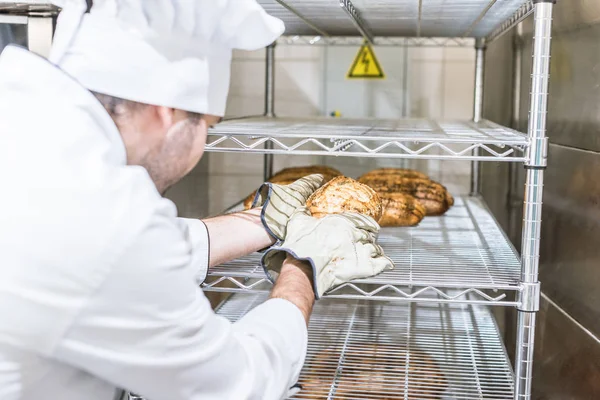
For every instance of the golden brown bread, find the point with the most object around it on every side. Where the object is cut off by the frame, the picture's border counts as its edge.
(299, 172)
(343, 194)
(430, 194)
(292, 174)
(400, 209)
(400, 172)
(372, 371)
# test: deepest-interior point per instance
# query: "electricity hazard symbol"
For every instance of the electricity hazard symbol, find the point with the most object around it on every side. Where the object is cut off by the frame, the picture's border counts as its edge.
(365, 65)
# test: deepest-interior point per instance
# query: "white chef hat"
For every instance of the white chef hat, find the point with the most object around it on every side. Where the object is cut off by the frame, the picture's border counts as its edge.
(174, 53)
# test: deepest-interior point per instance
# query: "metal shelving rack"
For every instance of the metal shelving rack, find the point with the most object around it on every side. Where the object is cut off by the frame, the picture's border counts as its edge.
(431, 314)
(448, 269)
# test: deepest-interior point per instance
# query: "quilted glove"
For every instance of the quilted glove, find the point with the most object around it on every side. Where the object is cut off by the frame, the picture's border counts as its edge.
(279, 202)
(339, 247)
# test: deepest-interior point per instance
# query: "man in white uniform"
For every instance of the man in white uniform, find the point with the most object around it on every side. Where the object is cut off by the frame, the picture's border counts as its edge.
(99, 278)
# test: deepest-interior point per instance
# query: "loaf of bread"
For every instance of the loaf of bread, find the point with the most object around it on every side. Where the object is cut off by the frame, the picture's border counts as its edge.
(400, 209)
(372, 371)
(299, 172)
(433, 196)
(400, 172)
(343, 194)
(292, 174)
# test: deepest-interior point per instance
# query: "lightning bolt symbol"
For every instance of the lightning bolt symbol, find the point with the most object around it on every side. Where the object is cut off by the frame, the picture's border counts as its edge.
(365, 60)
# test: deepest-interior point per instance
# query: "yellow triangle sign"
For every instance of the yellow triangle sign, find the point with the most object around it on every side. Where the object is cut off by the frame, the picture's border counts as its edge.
(365, 65)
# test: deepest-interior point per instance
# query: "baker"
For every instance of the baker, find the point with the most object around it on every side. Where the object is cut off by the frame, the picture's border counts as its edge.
(99, 277)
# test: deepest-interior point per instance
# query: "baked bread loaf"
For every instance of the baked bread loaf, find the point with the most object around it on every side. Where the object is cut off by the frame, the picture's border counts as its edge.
(400, 172)
(432, 195)
(343, 194)
(372, 371)
(295, 173)
(292, 174)
(400, 209)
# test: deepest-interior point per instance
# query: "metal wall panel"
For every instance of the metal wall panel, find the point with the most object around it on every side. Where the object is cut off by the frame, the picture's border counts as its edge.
(567, 357)
(570, 253)
(497, 100)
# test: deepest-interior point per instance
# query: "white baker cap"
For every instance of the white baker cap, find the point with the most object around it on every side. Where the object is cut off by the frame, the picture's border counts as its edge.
(173, 53)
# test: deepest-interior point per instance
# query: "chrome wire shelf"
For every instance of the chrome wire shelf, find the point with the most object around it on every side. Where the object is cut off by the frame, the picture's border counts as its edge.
(372, 18)
(463, 250)
(385, 350)
(404, 138)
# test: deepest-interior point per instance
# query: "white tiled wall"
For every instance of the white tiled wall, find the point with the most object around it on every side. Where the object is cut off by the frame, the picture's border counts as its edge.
(310, 81)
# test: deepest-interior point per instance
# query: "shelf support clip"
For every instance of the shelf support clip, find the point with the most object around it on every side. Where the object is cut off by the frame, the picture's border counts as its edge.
(529, 297)
(537, 152)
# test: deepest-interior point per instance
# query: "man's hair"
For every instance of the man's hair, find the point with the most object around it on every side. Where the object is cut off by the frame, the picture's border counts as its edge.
(118, 108)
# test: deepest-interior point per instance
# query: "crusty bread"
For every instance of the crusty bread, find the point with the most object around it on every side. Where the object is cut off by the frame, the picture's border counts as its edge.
(400, 209)
(292, 174)
(299, 172)
(372, 371)
(430, 194)
(343, 194)
(400, 172)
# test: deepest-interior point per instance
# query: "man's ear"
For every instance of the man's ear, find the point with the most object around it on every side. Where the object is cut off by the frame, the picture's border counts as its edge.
(165, 115)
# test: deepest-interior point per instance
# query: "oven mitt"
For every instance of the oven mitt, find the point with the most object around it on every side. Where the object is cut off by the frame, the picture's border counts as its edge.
(340, 248)
(280, 201)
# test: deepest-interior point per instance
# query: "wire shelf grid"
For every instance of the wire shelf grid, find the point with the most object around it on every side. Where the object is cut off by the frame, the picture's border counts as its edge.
(387, 350)
(417, 18)
(464, 249)
(405, 138)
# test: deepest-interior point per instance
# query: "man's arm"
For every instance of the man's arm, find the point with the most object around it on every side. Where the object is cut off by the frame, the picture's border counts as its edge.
(295, 285)
(235, 235)
(149, 329)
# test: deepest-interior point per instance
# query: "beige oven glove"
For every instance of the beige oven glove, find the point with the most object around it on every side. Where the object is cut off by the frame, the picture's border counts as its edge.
(279, 202)
(339, 247)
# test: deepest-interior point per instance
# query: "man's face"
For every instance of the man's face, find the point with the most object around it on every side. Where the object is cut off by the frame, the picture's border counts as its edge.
(177, 151)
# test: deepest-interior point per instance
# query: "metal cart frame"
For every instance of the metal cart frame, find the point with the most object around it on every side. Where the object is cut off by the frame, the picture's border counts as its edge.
(528, 294)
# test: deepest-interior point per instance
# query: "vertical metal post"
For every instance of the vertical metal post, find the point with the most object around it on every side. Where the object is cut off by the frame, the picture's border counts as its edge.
(269, 105)
(477, 108)
(532, 213)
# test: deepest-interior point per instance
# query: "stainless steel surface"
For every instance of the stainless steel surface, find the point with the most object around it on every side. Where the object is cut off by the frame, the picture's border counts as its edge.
(477, 110)
(567, 357)
(570, 254)
(409, 138)
(464, 250)
(269, 106)
(411, 343)
(574, 118)
(422, 18)
(378, 41)
(29, 7)
(534, 186)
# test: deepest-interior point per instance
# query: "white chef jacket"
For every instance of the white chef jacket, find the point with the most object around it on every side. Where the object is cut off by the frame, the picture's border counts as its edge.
(99, 278)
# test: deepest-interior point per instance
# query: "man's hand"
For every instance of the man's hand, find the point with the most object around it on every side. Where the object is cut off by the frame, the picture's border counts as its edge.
(339, 248)
(279, 202)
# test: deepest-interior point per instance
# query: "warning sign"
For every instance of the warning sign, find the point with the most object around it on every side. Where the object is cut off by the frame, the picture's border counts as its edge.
(365, 65)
